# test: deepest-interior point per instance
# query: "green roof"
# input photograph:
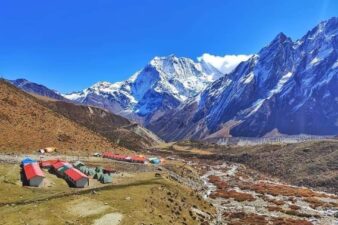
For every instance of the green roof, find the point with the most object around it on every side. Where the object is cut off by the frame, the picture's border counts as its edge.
(91, 171)
(63, 169)
(99, 169)
(98, 176)
(105, 178)
(83, 169)
(78, 164)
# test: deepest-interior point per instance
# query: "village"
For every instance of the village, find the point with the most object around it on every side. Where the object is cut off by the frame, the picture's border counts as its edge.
(182, 186)
(97, 188)
(76, 174)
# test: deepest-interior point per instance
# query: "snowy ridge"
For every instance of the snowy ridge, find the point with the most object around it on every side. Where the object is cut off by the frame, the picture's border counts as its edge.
(288, 86)
(163, 84)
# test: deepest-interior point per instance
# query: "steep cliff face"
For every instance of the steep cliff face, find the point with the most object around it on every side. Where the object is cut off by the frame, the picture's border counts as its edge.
(288, 86)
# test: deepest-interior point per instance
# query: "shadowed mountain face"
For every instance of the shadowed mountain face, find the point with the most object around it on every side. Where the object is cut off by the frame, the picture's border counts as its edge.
(115, 128)
(49, 122)
(289, 87)
(35, 88)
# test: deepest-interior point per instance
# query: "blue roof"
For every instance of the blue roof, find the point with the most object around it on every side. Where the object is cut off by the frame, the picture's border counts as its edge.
(27, 161)
(154, 160)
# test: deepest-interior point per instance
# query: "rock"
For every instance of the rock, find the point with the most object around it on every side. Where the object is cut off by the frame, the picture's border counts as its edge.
(157, 175)
(336, 215)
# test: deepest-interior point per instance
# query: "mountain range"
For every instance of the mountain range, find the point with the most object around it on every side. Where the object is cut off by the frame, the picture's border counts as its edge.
(163, 84)
(27, 125)
(112, 128)
(288, 87)
(37, 89)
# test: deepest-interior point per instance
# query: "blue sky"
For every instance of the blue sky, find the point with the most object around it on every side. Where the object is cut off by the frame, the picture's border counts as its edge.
(69, 45)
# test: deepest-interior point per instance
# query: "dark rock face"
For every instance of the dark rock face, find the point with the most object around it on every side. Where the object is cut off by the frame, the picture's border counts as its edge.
(288, 86)
(38, 89)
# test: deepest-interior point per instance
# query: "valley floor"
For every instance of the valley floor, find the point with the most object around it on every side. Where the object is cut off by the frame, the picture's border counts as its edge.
(196, 184)
(136, 196)
(243, 195)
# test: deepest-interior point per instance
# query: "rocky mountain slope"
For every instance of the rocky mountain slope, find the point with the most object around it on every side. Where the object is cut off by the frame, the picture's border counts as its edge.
(26, 125)
(318, 169)
(162, 85)
(289, 87)
(115, 128)
(35, 88)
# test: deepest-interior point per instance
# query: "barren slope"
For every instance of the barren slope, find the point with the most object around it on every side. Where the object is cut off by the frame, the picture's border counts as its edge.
(26, 125)
(117, 129)
(312, 164)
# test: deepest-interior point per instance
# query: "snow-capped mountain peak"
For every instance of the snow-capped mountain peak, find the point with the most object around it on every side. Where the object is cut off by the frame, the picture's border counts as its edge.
(162, 84)
(35, 88)
(288, 86)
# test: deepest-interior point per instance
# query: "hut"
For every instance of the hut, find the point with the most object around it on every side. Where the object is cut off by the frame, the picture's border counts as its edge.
(91, 172)
(50, 149)
(154, 160)
(137, 159)
(33, 174)
(60, 167)
(106, 178)
(48, 163)
(61, 170)
(78, 164)
(26, 161)
(59, 164)
(96, 154)
(98, 175)
(85, 170)
(99, 169)
(82, 169)
(76, 178)
(117, 157)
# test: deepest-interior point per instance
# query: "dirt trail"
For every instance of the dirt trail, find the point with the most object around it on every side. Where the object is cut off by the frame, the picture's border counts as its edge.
(109, 219)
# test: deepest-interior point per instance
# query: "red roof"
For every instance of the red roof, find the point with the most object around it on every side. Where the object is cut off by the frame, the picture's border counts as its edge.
(111, 155)
(32, 170)
(48, 163)
(138, 158)
(75, 174)
(61, 164)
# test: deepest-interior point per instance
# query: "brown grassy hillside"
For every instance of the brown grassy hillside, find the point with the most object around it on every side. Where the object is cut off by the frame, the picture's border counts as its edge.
(312, 164)
(26, 125)
(117, 129)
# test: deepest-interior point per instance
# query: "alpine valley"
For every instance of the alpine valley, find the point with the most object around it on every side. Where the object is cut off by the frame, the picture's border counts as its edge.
(233, 139)
(287, 88)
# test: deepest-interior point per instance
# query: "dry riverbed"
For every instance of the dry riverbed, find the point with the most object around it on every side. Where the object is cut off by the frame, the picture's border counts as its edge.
(243, 196)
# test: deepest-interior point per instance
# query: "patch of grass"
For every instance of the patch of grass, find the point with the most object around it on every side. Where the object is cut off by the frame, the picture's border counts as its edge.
(140, 199)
